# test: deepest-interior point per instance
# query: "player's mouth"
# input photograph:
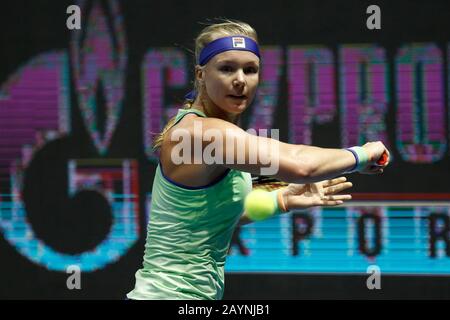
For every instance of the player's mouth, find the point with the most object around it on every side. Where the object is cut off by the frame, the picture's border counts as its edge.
(237, 97)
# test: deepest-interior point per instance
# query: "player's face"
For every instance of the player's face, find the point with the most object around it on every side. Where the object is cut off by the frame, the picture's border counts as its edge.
(231, 79)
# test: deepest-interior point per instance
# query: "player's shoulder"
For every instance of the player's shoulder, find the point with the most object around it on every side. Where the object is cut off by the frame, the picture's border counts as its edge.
(193, 123)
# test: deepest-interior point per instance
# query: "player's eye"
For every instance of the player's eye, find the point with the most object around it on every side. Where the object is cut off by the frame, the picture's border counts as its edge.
(226, 68)
(251, 70)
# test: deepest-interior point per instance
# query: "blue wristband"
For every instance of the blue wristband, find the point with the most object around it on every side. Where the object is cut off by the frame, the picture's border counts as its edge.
(361, 156)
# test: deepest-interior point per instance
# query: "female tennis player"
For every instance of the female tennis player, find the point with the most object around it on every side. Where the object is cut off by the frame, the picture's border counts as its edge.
(197, 204)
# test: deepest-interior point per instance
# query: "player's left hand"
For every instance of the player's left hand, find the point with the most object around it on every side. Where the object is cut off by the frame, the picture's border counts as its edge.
(322, 193)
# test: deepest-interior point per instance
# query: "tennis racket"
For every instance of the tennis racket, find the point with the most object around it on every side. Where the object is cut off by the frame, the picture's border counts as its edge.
(270, 184)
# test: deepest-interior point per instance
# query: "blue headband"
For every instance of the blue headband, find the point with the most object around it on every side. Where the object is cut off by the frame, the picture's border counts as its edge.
(225, 44)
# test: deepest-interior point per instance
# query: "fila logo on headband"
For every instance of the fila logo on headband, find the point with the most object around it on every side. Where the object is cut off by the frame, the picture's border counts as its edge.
(238, 42)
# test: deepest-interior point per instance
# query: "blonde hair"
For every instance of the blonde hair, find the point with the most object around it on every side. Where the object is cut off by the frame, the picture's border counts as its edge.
(225, 28)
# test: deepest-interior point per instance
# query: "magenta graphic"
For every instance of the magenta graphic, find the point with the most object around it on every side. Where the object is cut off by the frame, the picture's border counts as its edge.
(161, 67)
(264, 107)
(34, 102)
(420, 103)
(35, 109)
(99, 65)
(363, 94)
(311, 93)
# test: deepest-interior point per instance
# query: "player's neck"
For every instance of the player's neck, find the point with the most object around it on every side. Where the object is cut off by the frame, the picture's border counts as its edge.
(211, 110)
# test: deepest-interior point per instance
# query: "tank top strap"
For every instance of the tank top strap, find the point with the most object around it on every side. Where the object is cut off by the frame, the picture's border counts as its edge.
(182, 112)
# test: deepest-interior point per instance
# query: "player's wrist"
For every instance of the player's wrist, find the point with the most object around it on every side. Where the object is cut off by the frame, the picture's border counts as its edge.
(281, 201)
(362, 158)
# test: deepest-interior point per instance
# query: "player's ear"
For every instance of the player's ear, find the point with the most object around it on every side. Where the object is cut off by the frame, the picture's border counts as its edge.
(199, 73)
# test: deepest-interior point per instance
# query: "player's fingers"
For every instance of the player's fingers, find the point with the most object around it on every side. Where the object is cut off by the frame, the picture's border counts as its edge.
(332, 203)
(338, 188)
(337, 197)
(375, 170)
(334, 181)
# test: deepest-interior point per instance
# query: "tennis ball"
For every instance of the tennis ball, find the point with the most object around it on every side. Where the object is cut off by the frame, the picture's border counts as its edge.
(259, 205)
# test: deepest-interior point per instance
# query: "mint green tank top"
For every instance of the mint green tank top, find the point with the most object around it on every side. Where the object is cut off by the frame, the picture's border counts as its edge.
(189, 234)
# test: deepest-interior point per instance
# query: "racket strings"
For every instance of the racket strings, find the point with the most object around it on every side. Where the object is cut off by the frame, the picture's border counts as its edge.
(267, 183)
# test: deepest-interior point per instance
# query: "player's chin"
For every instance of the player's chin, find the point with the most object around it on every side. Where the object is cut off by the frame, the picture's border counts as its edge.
(237, 107)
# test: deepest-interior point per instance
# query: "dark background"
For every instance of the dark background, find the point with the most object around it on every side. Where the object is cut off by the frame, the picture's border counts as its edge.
(29, 28)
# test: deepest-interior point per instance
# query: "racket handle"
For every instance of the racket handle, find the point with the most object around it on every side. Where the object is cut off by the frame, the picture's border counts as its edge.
(383, 159)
